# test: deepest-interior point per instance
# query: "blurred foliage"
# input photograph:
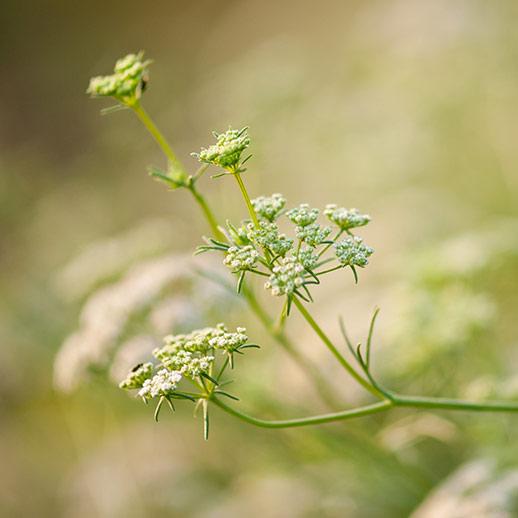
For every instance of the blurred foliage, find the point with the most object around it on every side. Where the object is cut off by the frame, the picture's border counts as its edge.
(405, 109)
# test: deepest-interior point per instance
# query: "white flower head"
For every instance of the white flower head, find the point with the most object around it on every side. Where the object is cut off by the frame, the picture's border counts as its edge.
(286, 278)
(241, 258)
(163, 383)
(303, 215)
(345, 218)
(269, 207)
(353, 252)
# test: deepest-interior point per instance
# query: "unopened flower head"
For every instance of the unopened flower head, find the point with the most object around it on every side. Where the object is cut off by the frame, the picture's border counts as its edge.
(127, 82)
(346, 218)
(267, 236)
(241, 258)
(308, 258)
(227, 151)
(353, 252)
(303, 215)
(313, 234)
(137, 376)
(269, 207)
(287, 277)
(163, 383)
(189, 364)
(282, 245)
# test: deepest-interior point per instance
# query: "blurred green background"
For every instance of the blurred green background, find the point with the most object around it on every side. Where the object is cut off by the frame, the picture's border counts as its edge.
(405, 109)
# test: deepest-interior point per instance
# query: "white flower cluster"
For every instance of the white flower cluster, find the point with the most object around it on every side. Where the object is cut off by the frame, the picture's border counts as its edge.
(126, 83)
(268, 236)
(303, 215)
(269, 207)
(287, 276)
(227, 151)
(313, 234)
(195, 341)
(345, 218)
(227, 341)
(241, 258)
(137, 376)
(353, 252)
(163, 383)
(187, 364)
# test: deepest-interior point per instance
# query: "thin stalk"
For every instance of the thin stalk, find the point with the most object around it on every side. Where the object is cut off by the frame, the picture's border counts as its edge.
(326, 248)
(177, 166)
(158, 136)
(336, 353)
(251, 209)
(330, 270)
(305, 421)
(246, 197)
(209, 215)
(321, 384)
(453, 404)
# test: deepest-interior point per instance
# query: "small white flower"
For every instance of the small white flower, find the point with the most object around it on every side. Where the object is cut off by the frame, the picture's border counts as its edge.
(163, 383)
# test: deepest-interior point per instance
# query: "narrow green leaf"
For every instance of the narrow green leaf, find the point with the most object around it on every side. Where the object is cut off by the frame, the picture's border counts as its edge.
(158, 407)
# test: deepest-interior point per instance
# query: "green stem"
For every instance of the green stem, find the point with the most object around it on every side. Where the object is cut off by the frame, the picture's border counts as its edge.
(248, 202)
(336, 353)
(251, 210)
(305, 421)
(397, 400)
(209, 215)
(158, 136)
(177, 166)
(330, 270)
(321, 384)
(453, 404)
(326, 248)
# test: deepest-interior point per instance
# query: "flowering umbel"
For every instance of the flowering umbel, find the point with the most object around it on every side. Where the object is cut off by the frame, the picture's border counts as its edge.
(191, 357)
(126, 84)
(227, 150)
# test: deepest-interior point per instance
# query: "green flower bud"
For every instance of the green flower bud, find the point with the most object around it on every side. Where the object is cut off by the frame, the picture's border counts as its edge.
(241, 258)
(126, 84)
(269, 207)
(346, 218)
(227, 151)
(303, 215)
(313, 234)
(352, 252)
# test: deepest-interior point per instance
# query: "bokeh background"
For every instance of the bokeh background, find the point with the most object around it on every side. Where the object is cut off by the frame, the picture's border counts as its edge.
(405, 109)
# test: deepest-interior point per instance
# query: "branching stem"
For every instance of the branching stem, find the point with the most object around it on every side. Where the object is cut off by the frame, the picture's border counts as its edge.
(336, 353)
